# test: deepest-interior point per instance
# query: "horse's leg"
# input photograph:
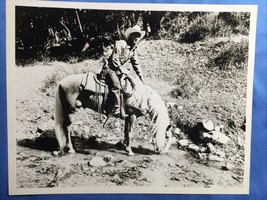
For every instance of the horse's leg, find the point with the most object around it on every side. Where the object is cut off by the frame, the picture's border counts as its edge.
(60, 126)
(69, 131)
(128, 132)
(64, 111)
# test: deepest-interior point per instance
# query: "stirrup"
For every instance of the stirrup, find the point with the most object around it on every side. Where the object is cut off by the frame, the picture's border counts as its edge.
(115, 114)
(123, 115)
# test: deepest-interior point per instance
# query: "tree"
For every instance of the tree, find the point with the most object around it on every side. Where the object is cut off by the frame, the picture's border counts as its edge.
(152, 21)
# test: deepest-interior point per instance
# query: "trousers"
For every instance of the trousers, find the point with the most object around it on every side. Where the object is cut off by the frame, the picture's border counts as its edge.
(114, 86)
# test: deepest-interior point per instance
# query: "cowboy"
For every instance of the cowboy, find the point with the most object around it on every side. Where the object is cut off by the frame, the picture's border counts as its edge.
(123, 51)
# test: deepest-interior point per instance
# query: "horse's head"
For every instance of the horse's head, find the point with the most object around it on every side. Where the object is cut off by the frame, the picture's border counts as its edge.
(162, 140)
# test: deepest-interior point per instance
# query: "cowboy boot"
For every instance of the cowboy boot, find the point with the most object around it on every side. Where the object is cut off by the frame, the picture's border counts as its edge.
(116, 109)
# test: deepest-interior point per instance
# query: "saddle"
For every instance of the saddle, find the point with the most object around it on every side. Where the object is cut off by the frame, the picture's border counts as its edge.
(100, 98)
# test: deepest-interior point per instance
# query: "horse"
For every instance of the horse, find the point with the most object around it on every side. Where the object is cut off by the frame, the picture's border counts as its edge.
(85, 90)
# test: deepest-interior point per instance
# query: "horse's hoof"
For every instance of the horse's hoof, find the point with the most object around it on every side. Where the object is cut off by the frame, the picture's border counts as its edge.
(130, 154)
(55, 153)
(78, 104)
(58, 153)
(71, 151)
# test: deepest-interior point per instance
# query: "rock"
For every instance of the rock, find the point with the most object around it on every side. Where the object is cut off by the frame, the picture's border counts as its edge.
(193, 147)
(220, 154)
(205, 137)
(219, 137)
(214, 137)
(144, 165)
(177, 131)
(128, 164)
(108, 157)
(215, 158)
(168, 134)
(228, 166)
(211, 148)
(116, 179)
(202, 149)
(97, 162)
(21, 156)
(208, 125)
(201, 156)
(147, 159)
(55, 153)
(183, 143)
(214, 151)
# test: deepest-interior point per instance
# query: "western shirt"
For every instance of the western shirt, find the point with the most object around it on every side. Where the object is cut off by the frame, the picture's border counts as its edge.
(122, 52)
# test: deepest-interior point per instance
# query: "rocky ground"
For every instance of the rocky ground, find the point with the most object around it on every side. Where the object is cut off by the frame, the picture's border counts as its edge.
(215, 160)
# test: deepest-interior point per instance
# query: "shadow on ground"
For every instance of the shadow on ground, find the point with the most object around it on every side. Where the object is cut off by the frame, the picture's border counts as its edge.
(48, 142)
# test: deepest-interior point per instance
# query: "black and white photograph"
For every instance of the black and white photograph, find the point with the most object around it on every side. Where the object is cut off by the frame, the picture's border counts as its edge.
(129, 98)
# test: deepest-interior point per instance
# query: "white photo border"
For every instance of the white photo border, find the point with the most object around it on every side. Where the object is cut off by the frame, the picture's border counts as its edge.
(11, 94)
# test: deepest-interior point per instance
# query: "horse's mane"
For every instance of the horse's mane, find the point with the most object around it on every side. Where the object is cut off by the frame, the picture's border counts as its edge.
(144, 97)
(157, 111)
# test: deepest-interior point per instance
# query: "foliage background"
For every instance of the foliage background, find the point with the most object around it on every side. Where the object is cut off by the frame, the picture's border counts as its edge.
(52, 32)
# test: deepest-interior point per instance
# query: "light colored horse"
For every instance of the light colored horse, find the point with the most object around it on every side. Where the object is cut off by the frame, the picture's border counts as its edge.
(70, 97)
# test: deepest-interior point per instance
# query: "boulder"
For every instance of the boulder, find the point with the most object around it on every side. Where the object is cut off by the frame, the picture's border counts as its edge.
(211, 148)
(193, 147)
(219, 137)
(97, 162)
(183, 142)
(177, 131)
(207, 125)
(214, 137)
(215, 158)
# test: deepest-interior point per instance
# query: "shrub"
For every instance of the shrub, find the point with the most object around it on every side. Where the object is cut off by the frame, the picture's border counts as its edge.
(197, 30)
(189, 27)
(229, 55)
(188, 85)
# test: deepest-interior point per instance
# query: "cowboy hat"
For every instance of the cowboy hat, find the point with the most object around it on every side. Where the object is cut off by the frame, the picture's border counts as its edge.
(135, 29)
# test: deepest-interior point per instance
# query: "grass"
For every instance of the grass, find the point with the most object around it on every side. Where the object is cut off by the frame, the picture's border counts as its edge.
(203, 88)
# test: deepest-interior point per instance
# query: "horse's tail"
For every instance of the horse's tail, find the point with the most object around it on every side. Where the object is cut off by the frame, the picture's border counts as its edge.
(59, 119)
